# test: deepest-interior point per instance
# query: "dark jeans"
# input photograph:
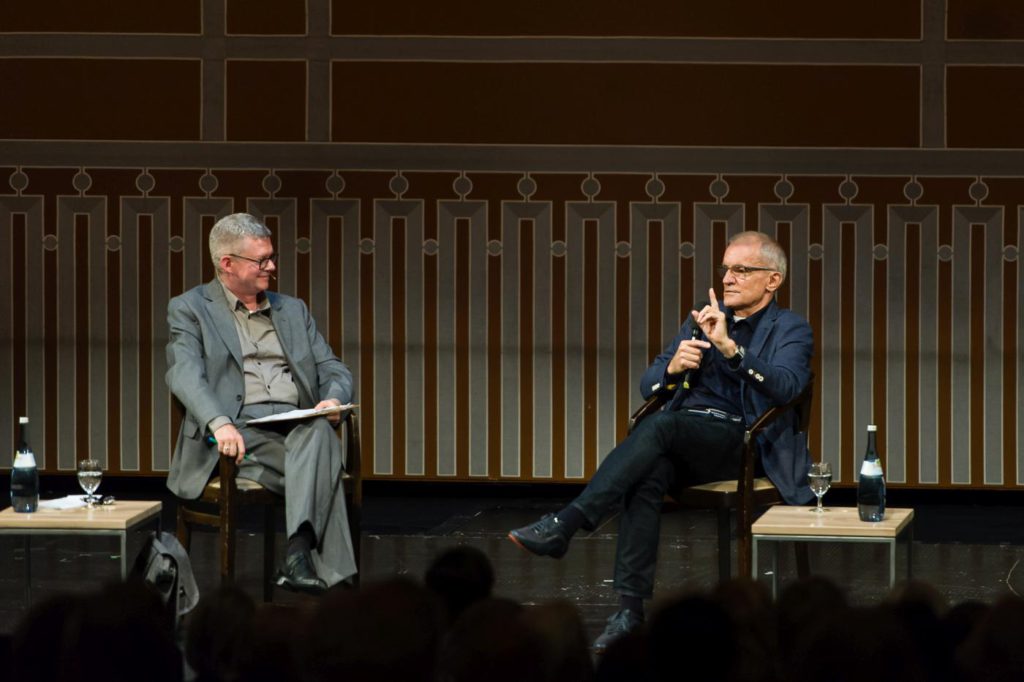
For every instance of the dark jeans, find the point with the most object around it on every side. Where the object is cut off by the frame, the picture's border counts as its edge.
(668, 449)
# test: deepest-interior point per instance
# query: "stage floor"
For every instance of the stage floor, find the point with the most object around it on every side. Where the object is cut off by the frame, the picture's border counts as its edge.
(968, 551)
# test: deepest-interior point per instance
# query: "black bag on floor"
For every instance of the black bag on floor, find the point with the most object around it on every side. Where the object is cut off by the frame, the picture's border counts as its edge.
(163, 564)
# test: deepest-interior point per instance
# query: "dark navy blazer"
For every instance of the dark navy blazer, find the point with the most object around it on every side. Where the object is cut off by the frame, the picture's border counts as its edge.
(775, 369)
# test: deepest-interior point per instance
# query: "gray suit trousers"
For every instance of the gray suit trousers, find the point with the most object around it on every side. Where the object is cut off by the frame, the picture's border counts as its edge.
(303, 461)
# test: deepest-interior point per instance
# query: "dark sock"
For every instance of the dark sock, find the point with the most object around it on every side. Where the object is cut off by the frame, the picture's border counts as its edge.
(571, 518)
(634, 604)
(303, 540)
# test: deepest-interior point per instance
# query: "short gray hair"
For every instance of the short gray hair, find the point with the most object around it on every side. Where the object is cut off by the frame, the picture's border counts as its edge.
(771, 250)
(230, 230)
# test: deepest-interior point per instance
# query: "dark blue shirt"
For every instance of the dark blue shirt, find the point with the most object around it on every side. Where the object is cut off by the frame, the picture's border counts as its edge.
(717, 384)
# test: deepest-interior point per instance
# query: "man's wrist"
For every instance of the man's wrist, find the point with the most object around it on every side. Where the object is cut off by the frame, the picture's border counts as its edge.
(731, 349)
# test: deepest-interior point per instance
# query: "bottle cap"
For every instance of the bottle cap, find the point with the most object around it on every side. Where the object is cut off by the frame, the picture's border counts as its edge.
(23, 420)
(872, 427)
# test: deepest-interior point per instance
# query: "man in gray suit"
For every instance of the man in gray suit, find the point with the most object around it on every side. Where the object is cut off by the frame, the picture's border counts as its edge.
(239, 352)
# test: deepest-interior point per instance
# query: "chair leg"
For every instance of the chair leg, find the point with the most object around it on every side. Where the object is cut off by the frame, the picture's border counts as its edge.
(724, 549)
(227, 549)
(269, 532)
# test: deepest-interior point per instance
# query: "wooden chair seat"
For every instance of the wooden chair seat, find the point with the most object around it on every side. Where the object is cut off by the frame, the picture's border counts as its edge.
(219, 504)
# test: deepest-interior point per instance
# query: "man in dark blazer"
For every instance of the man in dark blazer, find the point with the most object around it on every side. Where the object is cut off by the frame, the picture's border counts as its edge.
(728, 364)
(238, 352)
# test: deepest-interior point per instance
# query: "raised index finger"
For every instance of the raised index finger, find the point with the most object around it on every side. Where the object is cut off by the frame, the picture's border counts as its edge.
(713, 298)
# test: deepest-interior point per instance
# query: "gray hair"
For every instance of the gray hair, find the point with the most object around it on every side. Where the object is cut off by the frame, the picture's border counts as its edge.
(232, 229)
(772, 253)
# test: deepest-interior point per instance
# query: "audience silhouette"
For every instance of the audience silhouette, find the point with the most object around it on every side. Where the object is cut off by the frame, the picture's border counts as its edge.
(450, 628)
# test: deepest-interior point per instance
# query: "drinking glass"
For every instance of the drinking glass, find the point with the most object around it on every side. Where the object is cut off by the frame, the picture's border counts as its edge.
(820, 479)
(90, 473)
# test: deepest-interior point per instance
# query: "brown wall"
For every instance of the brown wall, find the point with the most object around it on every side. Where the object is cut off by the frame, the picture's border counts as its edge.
(498, 217)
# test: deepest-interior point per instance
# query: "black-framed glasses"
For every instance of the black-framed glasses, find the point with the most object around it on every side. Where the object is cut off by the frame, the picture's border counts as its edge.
(261, 263)
(741, 271)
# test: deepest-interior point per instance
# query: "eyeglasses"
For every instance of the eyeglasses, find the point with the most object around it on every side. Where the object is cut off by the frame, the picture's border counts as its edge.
(741, 271)
(261, 263)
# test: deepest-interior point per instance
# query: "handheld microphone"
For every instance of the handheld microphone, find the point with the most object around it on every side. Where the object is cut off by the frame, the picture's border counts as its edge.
(694, 335)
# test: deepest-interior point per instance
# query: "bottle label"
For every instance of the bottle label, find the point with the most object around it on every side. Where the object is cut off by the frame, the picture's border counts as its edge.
(871, 467)
(24, 460)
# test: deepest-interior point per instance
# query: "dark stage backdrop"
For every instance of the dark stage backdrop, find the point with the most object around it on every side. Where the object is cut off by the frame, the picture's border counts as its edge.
(499, 213)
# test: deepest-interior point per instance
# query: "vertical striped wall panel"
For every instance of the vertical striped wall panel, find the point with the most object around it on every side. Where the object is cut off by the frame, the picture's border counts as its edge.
(498, 323)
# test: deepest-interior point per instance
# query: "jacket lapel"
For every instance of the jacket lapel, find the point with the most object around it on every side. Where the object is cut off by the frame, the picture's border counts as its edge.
(285, 326)
(217, 308)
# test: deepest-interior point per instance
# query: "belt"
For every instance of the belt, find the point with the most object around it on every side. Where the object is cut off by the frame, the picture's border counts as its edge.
(717, 414)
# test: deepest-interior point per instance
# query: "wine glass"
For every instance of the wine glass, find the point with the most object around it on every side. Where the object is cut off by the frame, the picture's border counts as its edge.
(820, 479)
(90, 473)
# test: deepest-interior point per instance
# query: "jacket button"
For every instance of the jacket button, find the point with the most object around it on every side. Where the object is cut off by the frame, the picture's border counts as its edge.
(238, 398)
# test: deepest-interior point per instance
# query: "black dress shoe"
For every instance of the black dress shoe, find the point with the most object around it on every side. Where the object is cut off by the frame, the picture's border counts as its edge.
(619, 625)
(547, 537)
(297, 574)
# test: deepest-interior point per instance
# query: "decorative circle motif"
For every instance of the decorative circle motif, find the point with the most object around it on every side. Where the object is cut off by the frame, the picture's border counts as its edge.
(176, 243)
(398, 185)
(82, 182)
(366, 245)
(494, 248)
(913, 190)
(654, 188)
(719, 188)
(335, 184)
(431, 247)
(848, 190)
(271, 183)
(145, 182)
(208, 183)
(50, 242)
(590, 187)
(526, 186)
(303, 245)
(945, 253)
(114, 243)
(880, 252)
(816, 251)
(1011, 253)
(462, 186)
(784, 189)
(978, 190)
(559, 249)
(18, 181)
(623, 249)
(687, 249)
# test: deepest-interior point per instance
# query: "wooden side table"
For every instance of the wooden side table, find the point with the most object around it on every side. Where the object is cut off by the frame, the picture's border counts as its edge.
(121, 520)
(838, 524)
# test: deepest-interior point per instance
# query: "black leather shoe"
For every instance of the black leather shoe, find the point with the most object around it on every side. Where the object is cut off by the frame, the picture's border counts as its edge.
(546, 537)
(297, 574)
(619, 625)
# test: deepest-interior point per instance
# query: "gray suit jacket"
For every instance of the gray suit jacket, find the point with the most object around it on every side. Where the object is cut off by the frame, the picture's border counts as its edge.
(204, 372)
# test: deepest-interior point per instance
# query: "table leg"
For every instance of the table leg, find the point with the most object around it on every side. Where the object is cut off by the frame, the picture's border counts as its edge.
(27, 548)
(124, 554)
(910, 552)
(775, 570)
(892, 563)
(753, 559)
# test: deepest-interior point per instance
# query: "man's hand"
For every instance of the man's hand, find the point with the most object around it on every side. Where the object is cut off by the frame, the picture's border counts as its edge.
(335, 417)
(712, 322)
(687, 356)
(230, 442)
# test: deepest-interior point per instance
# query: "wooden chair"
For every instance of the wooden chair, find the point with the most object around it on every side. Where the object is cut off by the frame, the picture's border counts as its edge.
(220, 505)
(745, 494)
